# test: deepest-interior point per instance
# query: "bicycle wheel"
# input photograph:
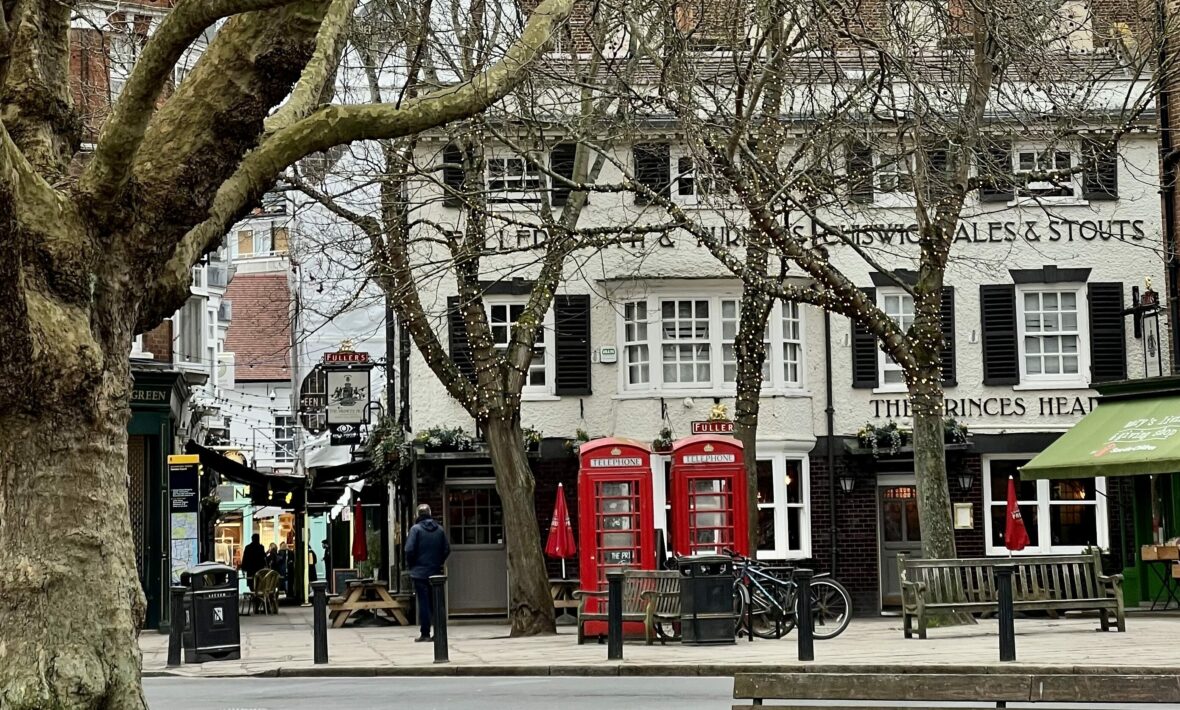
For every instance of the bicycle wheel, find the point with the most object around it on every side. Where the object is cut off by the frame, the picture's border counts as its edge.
(769, 613)
(831, 608)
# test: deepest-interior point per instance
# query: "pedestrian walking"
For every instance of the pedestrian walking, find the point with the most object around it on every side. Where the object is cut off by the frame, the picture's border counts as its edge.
(328, 565)
(253, 560)
(312, 574)
(427, 548)
(272, 557)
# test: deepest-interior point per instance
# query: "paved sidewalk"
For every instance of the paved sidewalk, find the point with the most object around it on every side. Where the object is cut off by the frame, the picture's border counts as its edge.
(282, 645)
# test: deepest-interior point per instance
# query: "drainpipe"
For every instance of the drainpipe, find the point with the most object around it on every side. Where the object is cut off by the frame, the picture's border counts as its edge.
(830, 415)
(1168, 161)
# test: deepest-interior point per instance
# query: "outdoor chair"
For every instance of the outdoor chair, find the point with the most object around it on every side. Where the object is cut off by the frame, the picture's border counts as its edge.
(266, 590)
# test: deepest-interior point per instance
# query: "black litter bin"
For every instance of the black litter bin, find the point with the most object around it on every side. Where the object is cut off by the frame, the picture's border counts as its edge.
(211, 630)
(706, 600)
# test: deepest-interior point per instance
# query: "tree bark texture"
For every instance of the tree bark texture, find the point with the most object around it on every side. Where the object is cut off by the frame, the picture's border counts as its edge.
(934, 509)
(70, 599)
(750, 353)
(532, 604)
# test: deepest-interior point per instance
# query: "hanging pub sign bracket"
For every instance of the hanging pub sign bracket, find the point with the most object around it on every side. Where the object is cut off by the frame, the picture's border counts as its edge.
(348, 391)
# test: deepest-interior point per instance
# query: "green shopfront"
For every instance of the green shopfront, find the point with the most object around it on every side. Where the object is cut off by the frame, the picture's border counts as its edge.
(158, 399)
(1134, 432)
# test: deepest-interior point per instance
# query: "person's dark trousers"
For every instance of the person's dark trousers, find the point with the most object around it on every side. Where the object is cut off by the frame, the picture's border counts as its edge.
(425, 604)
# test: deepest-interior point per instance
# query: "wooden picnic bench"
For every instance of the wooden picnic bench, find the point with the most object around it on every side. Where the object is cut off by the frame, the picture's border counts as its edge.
(649, 596)
(1053, 583)
(366, 594)
(999, 688)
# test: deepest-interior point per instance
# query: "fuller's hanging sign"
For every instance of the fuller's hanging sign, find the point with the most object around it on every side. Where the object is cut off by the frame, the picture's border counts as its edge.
(713, 426)
(348, 387)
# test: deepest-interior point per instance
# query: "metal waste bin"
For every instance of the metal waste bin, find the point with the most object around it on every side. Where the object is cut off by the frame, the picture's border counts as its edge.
(211, 629)
(706, 599)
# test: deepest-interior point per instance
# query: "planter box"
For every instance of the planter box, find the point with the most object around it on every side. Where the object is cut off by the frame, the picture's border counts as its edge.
(554, 447)
(1159, 552)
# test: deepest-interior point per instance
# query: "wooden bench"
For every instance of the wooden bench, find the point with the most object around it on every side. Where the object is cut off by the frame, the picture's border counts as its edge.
(1050, 583)
(649, 596)
(999, 688)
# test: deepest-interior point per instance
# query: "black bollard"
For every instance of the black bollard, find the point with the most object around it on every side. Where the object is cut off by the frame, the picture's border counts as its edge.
(319, 603)
(803, 614)
(614, 615)
(438, 588)
(1007, 623)
(176, 626)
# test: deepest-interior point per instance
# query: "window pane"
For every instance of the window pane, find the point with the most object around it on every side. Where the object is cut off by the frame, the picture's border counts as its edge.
(766, 529)
(794, 529)
(1073, 489)
(794, 481)
(765, 482)
(1075, 525)
(1028, 513)
(1026, 491)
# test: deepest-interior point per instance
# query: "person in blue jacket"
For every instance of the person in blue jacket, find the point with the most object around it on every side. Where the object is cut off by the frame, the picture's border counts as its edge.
(427, 548)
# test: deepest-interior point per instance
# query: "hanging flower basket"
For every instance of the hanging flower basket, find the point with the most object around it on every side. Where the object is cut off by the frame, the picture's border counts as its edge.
(890, 439)
(446, 439)
(662, 443)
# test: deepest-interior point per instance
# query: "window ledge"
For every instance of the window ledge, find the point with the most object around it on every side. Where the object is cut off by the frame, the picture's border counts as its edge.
(892, 203)
(891, 389)
(1049, 386)
(729, 394)
(539, 397)
(1055, 201)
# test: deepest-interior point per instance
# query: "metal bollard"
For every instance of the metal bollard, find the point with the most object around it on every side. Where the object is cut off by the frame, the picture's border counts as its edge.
(614, 615)
(803, 614)
(319, 603)
(176, 626)
(1007, 622)
(438, 588)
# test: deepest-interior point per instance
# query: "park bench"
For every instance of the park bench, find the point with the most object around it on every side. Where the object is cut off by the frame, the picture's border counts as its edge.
(999, 688)
(649, 596)
(1053, 583)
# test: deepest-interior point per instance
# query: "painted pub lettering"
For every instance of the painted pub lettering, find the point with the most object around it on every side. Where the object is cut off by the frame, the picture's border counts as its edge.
(997, 232)
(982, 407)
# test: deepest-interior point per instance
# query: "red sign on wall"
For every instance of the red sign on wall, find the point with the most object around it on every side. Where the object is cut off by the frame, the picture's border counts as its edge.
(723, 426)
(346, 357)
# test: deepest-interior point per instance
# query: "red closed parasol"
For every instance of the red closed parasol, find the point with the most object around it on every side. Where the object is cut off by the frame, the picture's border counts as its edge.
(561, 543)
(1015, 534)
(360, 546)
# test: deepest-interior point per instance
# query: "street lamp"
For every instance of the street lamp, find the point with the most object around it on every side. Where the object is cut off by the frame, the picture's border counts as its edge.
(1153, 364)
(965, 480)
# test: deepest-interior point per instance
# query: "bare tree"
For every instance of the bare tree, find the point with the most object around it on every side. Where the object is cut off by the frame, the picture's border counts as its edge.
(99, 247)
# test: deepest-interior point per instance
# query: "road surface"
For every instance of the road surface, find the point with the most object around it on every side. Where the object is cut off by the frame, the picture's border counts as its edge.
(542, 693)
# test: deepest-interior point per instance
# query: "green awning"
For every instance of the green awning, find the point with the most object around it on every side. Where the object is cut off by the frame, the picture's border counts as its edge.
(1119, 438)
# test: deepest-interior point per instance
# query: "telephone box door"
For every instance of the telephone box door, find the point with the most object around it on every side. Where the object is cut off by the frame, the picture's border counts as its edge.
(709, 495)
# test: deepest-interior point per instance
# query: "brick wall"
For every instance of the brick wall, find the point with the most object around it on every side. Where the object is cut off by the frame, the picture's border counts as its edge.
(89, 80)
(158, 342)
(857, 566)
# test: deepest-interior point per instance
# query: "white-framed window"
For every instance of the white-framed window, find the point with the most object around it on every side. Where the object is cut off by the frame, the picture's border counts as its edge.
(899, 306)
(686, 343)
(893, 173)
(784, 527)
(1052, 328)
(1061, 516)
(1030, 158)
(284, 438)
(697, 180)
(513, 179)
(636, 350)
(502, 318)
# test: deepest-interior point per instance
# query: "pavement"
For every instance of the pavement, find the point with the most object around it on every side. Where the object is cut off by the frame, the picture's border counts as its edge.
(480, 694)
(281, 646)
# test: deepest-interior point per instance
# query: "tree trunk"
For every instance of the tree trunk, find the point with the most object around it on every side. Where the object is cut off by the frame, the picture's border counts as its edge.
(70, 599)
(531, 605)
(750, 353)
(934, 498)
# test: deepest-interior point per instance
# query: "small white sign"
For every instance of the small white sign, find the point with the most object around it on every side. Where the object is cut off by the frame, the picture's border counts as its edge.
(608, 354)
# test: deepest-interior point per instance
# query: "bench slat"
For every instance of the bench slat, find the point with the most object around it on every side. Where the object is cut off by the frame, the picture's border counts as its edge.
(883, 686)
(1121, 688)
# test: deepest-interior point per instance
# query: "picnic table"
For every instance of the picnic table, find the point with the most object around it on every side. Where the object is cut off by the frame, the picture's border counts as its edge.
(562, 590)
(366, 595)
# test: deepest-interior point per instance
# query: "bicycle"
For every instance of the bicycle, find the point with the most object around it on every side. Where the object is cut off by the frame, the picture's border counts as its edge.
(766, 603)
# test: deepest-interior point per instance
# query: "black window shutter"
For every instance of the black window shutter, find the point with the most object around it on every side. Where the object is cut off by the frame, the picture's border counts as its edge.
(947, 321)
(561, 162)
(865, 374)
(1001, 355)
(860, 173)
(1108, 344)
(457, 332)
(452, 174)
(653, 169)
(571, 320)
(994, 166)
(1100, 178)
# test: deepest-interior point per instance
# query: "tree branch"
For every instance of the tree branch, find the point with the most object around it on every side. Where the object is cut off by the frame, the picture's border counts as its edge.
(336, 125)
(320, 70)
(24, 194)
(108, 173)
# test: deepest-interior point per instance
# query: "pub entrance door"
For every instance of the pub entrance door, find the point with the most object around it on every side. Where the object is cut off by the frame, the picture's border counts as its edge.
(898, 533)
(477, 571)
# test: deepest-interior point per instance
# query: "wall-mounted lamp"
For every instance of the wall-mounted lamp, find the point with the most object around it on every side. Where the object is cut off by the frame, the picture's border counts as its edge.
(965, 481)
(847, 482)
(847, 340)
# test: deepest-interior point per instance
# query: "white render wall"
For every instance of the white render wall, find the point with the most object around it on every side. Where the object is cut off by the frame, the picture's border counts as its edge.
(797, 418)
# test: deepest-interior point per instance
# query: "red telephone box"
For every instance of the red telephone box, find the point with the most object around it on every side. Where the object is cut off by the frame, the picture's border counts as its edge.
(709, 509)
(615, 510)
